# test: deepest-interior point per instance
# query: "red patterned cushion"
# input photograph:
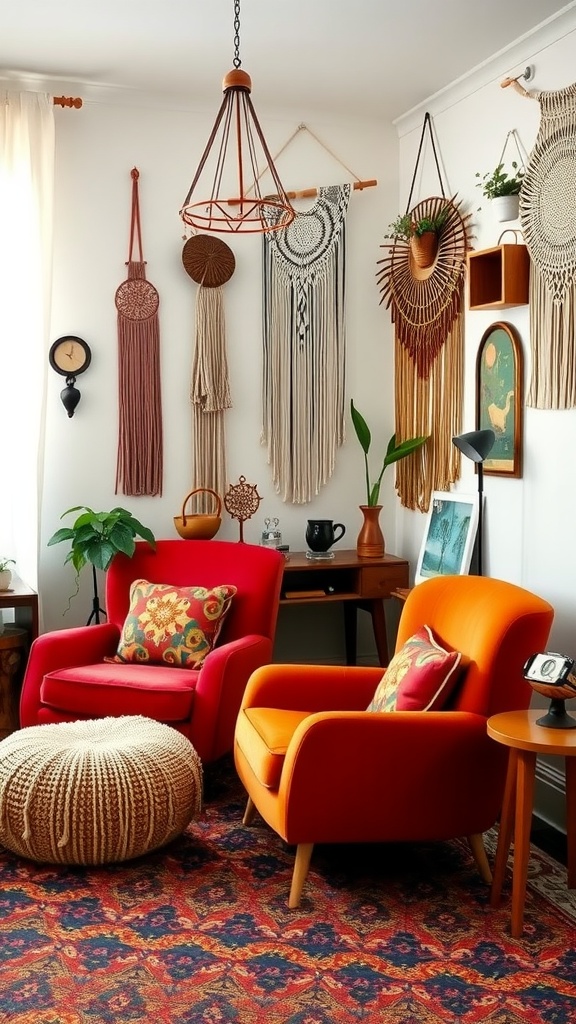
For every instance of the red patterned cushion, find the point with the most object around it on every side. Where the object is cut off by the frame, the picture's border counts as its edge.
(420, 677)
(172, 625)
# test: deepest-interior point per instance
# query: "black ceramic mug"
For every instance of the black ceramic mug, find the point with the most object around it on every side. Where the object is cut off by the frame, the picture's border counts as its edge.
(321, 534)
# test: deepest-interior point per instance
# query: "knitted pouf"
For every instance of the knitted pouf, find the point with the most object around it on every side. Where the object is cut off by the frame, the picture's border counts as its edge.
(96, 792)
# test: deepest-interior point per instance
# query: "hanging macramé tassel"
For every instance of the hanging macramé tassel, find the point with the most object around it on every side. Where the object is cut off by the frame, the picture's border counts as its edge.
(139, 465)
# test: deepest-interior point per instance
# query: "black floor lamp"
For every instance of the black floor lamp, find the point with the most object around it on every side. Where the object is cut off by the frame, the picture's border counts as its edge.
(477, 445)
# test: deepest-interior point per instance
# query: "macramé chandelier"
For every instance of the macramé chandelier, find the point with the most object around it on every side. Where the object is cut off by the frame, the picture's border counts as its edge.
(225, 193)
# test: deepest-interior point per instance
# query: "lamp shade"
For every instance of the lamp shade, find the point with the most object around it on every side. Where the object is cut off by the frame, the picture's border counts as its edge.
(476, 444)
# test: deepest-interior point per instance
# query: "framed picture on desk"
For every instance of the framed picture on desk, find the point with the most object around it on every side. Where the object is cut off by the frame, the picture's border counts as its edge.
(449, 536)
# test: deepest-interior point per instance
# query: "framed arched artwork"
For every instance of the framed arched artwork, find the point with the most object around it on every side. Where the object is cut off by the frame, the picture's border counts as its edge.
(499, 397)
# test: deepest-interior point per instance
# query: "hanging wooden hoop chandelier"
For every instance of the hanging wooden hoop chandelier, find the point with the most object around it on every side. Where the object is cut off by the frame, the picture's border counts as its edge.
(225, 193)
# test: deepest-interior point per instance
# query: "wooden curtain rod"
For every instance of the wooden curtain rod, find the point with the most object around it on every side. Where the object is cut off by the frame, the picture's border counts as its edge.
(309, 193)
(67, 101)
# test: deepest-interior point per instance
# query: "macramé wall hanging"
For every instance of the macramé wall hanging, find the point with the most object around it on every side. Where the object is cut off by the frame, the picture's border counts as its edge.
(139, 461)
(304, 342)
(548, 222)
(425, 295)
(304, 338)
(210, 263)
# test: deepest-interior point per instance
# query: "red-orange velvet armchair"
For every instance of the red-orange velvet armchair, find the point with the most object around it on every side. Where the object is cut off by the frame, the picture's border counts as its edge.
(319, 768)
(67, 678)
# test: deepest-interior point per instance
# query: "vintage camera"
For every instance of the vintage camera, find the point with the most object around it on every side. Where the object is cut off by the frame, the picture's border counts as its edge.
(550, 668)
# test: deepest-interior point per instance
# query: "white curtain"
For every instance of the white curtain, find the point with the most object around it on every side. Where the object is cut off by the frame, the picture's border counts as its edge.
(26, 211)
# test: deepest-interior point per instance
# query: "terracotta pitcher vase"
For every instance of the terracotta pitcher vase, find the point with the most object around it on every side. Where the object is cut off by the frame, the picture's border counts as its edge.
(370, 543)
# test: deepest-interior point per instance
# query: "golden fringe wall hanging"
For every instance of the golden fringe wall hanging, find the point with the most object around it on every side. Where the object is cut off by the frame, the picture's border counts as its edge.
(426, 303)
(304, 346)
(139, 462)
(209, 262)
(548, 222)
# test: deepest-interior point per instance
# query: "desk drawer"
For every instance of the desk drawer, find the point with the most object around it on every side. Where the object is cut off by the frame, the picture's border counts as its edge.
(380, 581)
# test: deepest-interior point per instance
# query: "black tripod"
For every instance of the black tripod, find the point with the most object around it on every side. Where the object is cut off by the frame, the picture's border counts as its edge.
(97, 611)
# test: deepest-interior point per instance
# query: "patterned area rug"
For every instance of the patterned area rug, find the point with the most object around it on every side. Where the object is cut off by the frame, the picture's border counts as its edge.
(200, 933)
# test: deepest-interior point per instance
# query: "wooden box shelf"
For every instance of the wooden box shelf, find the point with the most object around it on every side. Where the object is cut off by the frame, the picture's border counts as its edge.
(498, 277)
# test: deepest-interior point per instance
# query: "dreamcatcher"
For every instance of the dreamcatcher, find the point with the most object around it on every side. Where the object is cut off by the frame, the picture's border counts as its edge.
(426, 305)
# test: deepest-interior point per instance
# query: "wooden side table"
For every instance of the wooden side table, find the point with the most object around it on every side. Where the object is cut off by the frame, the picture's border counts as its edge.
(357, 582)
(519, 731)
(13, 644)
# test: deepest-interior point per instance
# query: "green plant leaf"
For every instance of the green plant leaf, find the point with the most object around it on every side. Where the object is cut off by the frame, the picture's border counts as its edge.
(397, 452)
(65, 533)
(100, 553)
(361, 427)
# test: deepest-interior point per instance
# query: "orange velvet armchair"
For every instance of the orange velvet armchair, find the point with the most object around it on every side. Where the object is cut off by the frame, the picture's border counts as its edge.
(319, 768)
(68, 677)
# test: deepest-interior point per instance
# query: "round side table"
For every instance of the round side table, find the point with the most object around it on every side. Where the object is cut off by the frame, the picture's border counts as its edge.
(519, 731)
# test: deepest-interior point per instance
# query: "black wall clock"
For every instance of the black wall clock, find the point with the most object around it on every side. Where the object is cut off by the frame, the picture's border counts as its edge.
(70, 356)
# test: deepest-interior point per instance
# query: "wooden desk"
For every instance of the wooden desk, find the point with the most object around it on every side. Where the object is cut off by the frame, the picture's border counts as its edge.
(519, 731)
(356, 582)
(24, 601)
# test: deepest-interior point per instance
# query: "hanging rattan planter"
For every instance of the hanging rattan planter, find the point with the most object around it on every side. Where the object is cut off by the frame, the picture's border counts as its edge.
(423, 249)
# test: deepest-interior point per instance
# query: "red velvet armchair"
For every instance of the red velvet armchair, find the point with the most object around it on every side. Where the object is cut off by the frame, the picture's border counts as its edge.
(320, 768)
(67, 677)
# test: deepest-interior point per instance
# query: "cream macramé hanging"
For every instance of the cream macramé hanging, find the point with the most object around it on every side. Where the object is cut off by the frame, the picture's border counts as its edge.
(209, 262)
(305, 346)
(548, 222)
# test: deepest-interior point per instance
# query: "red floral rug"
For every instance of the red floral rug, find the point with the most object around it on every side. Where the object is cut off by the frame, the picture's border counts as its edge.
(200, 933)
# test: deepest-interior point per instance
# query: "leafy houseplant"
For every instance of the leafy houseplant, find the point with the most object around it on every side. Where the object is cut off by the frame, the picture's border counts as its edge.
(4, 563)
(405, 227)
(499, 183)
(95, 538)
(394, 452)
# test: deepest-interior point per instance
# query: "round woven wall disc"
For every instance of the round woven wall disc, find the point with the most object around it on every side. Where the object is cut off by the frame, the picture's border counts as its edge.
(137, 299)
(208, 260)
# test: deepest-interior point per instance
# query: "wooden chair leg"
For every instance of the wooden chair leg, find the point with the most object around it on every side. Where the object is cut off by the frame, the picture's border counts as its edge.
(301, 865)
(476, 843)
(249, 812)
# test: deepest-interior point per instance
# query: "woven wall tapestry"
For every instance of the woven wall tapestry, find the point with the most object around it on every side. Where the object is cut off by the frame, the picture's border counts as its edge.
(426, 307)
(209, 262)
(548, 221)
(304, 344)
(139, 460)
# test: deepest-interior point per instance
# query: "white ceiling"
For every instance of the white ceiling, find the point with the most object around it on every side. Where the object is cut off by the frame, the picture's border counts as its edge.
(359, 57)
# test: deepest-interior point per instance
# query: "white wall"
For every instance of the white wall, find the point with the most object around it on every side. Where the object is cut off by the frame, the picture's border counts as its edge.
(96, 150)
(530, 534)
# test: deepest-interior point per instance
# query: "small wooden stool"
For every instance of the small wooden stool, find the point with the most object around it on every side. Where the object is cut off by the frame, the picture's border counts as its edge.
(13, 644)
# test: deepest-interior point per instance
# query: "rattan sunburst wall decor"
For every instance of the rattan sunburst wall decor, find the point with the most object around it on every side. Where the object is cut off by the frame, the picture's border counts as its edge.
(426, 305)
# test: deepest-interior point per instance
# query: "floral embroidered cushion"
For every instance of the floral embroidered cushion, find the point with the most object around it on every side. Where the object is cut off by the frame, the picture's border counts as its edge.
(169, 625)
(420, 676)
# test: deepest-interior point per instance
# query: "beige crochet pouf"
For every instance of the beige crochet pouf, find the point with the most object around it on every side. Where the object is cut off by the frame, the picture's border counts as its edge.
(96, 792)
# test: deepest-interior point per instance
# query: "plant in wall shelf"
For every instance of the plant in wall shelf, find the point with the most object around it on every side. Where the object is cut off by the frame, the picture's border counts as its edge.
(370, 542)
(95, 538)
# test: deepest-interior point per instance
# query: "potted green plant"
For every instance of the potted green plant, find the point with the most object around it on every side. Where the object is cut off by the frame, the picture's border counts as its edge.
(421, 233)
(371, 541)
(502, 189)
(95, 538)
(5, 573)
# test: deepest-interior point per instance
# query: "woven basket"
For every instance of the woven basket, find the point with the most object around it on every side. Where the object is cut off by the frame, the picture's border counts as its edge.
(199, 525)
